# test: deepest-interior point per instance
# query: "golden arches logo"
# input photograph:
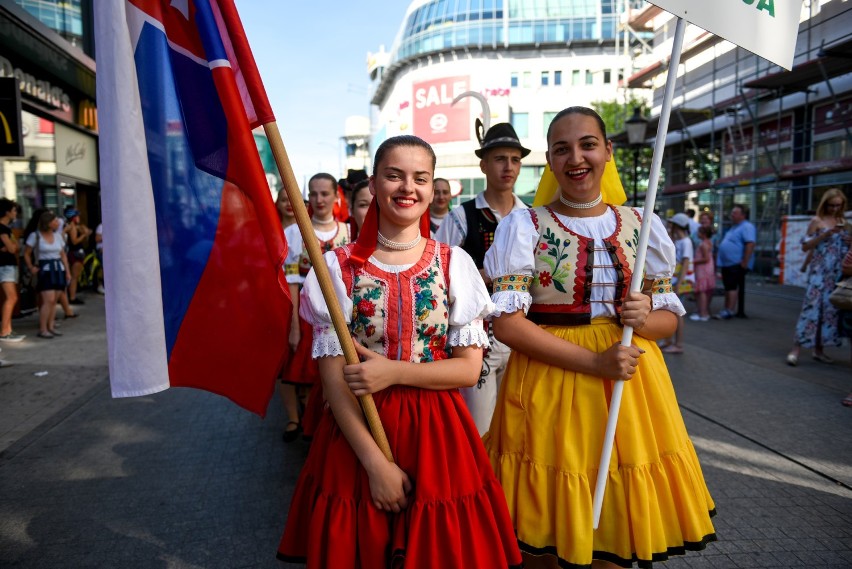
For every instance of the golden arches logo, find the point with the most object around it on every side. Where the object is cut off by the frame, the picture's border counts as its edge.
(6, 130)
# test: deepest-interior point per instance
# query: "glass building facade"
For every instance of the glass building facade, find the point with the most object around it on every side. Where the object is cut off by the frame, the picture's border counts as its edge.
(69, 18)
(438, 25)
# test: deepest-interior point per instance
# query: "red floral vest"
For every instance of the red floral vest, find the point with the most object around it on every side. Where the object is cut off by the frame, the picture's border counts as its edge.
(403, 316)
(341, 237)
(564, 262)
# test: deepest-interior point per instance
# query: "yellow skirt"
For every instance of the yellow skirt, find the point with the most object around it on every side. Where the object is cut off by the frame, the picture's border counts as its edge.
(545, 442)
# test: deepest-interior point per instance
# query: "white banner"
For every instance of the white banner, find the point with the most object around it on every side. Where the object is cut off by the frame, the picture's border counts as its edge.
(767, 28)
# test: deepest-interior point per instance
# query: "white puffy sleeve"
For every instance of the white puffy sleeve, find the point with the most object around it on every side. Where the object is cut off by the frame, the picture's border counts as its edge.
(313, 308)
(294, 251)
(510, 261)
(659, 265)
(469, 302)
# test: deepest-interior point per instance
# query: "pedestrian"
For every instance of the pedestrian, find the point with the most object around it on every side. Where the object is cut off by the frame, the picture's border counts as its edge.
(287, 218)
(561, 277)
(301, 369)
(45, 257)
(683, 280)
(472, 227)
(438, 504)
(8, 269)
(844, 318)
(827, 236)
(76, 236)
(736, 260)
(705, 274)
(693, 224)
(440, 206)
(99, 254)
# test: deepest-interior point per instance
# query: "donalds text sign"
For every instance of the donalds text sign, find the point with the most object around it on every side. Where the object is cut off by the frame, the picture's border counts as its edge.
(436, 119)
(11, 132)
(767, 28)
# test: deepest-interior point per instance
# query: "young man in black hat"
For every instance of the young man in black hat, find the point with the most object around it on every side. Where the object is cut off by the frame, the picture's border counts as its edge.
(472, 227)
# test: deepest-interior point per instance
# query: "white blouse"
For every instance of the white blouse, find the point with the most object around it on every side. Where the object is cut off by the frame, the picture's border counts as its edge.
(467, 296)
(295, 246)
(513, 254)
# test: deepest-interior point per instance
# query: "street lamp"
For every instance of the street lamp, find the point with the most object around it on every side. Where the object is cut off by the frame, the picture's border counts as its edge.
(636, 127)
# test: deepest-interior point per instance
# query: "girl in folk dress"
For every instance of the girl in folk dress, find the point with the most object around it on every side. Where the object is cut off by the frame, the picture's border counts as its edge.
(301, 370)
(561, 278)
(705, 274)
(415, 308)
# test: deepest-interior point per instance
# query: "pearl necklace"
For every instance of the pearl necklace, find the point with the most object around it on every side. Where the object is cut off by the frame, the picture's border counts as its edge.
(329, 221)
(396, 246)
(580, 205)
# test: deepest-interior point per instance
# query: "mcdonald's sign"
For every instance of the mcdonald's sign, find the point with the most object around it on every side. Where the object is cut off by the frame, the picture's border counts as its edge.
(11, 133)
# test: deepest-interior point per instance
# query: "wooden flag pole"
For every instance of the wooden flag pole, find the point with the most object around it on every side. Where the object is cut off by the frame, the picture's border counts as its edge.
(324, 278)
(639, 268)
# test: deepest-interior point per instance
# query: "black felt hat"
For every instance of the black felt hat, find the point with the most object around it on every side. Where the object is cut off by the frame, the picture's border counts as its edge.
(501, 135)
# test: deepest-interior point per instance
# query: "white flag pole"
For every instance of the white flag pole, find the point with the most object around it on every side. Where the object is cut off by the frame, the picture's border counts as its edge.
(639, 268)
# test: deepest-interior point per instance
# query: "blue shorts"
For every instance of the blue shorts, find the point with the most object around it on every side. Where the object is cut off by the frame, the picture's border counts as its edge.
(8, 274)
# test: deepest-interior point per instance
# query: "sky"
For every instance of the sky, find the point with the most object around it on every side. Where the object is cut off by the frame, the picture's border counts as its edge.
(312, 57)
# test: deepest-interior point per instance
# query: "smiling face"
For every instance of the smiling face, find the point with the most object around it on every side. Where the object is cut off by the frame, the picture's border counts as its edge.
(321, 196)
(577, 153)
(402, 184)
(501, 167)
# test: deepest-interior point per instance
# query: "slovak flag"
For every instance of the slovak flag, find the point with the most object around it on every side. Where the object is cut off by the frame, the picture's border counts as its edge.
(193, 249)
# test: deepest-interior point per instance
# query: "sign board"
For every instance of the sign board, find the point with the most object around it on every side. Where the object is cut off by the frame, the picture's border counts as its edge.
(76, 154)
(11, 126)
(436, 119)
(767, 28)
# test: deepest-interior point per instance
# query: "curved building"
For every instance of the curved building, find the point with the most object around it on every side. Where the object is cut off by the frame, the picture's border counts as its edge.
(529, 58)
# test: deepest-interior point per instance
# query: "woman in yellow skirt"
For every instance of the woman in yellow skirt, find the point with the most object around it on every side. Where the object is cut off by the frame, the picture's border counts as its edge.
(561, 277)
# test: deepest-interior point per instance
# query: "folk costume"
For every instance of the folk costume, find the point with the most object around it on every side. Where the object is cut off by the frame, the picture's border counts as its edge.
(571, 275)
(300, 368)
(456, 514)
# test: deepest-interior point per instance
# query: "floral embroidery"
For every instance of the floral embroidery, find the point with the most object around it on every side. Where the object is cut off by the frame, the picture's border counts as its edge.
(513, 283)
(662, 286)
(552, 252)
(632, 243)
(433, 337)
(363, 309)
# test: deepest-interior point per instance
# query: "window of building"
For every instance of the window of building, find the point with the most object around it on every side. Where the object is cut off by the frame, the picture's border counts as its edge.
(521, 123)
(575, 77)
(547, 118)
(514, 79)
(557, 77)
(545, 78)
(527, 79)
(607, 76)
(590, 77)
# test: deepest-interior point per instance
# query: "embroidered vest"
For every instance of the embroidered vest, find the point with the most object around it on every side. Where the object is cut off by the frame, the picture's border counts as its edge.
(481, 226)
(341, 237)
(403, 316)
(564, 262)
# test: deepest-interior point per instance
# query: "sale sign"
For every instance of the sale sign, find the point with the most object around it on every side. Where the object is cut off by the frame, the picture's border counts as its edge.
(436, 119)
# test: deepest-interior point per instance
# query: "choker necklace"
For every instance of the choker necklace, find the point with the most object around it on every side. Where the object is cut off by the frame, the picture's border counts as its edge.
(394, 245)
(578, 205)
(322, 222)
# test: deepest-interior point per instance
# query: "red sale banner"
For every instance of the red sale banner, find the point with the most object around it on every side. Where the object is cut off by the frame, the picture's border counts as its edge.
(436, 119)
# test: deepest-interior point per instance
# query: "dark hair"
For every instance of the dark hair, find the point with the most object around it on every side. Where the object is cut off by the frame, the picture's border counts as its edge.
(706, 231)
(7, 205)
(323, 176)
(743, 209)
(690, 212)
(45, 219)
(32, 224)
(708, 213)
(576, 111)
(402, 140)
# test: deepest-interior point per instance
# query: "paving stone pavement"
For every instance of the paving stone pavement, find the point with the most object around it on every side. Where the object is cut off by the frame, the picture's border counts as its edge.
(185, 479)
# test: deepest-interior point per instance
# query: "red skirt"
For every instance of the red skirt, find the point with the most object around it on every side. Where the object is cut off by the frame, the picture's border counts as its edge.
(301, 368)
(456, 516)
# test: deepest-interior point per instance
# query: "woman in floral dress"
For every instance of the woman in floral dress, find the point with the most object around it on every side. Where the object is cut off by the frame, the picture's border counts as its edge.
(828, 238)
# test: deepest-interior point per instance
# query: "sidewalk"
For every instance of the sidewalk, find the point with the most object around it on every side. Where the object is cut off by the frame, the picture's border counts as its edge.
(185, 479)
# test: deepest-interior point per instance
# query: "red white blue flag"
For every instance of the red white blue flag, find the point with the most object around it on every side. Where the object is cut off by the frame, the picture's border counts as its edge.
(195, 292)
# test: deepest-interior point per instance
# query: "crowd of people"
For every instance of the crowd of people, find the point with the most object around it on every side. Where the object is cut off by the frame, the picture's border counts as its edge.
(40, 267)
(489, 336)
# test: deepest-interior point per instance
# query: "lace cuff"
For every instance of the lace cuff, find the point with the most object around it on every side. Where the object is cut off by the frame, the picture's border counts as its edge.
(472, 334)
(325, 343)
(509, 301)
(667, 301)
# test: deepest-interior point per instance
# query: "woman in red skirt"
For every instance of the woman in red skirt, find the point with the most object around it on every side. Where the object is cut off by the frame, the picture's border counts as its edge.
(414, 307)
